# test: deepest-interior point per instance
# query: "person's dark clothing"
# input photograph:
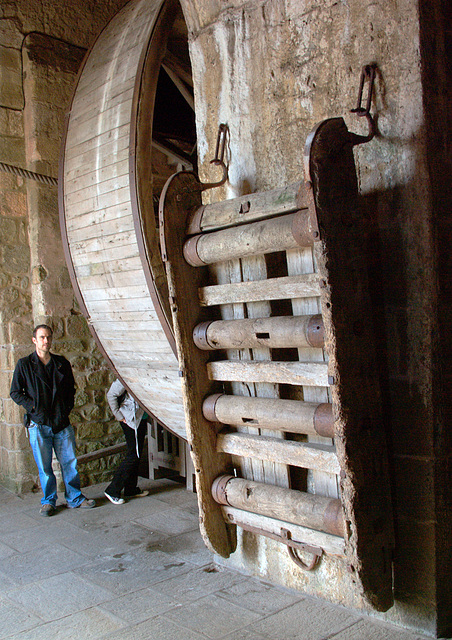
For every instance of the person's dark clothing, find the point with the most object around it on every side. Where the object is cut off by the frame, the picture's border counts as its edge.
(45, 391)
(126, 475)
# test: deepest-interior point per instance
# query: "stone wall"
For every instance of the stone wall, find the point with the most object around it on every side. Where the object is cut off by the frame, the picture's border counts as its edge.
(38, 64)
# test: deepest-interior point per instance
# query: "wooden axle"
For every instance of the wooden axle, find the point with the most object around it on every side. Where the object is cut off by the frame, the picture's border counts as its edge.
(292, 416)
(256, 238)
(282, 332)
(297, 454)
(305, 509)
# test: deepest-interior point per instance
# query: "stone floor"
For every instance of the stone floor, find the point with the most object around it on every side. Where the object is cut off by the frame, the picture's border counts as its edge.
(140, 571)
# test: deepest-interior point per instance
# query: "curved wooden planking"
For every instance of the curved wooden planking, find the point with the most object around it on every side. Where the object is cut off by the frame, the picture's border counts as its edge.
(106, 210)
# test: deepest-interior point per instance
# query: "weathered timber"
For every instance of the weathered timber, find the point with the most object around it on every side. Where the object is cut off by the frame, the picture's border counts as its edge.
(297, 507)
(303, 286)
(183, 283)
(284, 332)
(295, 373)
(298, 454)
(331, 545)
(360, 440)
(252, 268)
(249, 208)
(292, 416)
(101, 453)
(256, 238)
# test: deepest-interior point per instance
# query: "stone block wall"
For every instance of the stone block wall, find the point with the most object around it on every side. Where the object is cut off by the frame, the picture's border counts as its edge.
(41, 48)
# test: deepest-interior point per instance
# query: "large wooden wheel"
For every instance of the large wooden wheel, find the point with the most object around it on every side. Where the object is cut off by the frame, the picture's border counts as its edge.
(112, 169)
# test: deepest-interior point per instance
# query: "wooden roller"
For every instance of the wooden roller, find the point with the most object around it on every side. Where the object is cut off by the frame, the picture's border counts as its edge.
(305, 509)
(252, 239)
(283, 332)
(292, 416)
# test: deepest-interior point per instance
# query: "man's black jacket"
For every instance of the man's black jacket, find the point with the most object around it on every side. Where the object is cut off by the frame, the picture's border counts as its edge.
(43, 402)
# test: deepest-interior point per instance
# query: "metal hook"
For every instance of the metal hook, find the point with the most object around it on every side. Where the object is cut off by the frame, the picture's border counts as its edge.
(219, 158)
(316, 552)
(368, 73)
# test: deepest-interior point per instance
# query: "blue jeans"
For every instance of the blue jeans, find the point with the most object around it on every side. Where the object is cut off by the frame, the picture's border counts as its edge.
(42, 441)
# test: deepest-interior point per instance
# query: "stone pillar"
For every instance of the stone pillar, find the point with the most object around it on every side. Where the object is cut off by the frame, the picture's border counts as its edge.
(17, 469)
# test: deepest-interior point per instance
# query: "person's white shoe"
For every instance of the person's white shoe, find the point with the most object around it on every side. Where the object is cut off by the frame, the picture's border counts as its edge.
(113, 499)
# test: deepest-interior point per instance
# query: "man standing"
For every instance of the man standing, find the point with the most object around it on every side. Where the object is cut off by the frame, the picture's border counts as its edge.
(43, 383)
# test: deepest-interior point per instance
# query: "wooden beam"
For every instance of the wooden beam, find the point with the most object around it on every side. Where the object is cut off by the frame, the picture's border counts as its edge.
(298, 454)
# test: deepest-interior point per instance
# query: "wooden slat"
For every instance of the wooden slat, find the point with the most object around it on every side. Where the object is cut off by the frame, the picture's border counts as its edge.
(249, 208)
(118, 279)
(332, 545)
(116, 293)
(108, 269)
(103, 239)
(302, 286)
(104, 141)
(295, 373)
(300, 261)
(103, 229)
(319, 457)
(84, 220)
(128, 304)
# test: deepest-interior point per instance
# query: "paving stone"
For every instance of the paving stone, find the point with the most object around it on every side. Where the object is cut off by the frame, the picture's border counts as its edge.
(257, 596)
(14, 619)
(6, 550)
(196, 584)
(159, 628)
(18, 521)
(139, 606)
(90, 624)
(309, 619)
(370, 630)
(214, 616)
(129, 572)
(106, 514)
(171, 521)
(187, 546)
(42, 562)
(246, 635)
(138, 573)
(67, 593)
(53, 530)
(6, 583)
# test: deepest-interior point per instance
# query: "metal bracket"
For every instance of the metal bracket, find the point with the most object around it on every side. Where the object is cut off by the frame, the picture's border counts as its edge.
(368, 73)
(223, 130)
(292, 545)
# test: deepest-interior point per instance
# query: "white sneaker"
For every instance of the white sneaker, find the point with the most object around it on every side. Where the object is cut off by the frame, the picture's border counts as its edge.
(114, 500)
